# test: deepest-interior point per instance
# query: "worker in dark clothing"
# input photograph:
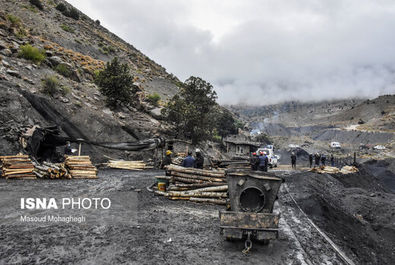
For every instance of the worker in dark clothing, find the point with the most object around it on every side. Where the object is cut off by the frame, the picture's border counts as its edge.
(254, 162)
(332, 160)
(262, 162)
(166, 160)
(67, 149)
(317, 159)
(189, 161)
(266, 162)
(311, 160)
(199, 159)
(323, 159)
(293, 160)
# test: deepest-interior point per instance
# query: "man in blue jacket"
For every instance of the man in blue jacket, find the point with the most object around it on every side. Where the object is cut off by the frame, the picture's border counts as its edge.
(189, 161)
(262, 162)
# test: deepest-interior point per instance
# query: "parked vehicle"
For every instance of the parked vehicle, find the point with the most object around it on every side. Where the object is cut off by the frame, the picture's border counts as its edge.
(273, 159)
(270, 146)
(335, 145)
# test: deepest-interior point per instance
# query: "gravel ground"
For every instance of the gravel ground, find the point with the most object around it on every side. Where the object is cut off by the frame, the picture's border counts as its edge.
(160, 231)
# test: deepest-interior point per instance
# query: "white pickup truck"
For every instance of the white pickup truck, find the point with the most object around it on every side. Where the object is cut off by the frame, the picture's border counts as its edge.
(273, 159)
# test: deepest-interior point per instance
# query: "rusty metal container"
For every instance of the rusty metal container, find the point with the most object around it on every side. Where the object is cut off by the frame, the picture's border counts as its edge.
(250, 211)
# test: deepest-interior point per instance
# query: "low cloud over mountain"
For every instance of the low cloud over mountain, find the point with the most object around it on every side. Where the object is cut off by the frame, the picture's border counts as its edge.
(262, 52)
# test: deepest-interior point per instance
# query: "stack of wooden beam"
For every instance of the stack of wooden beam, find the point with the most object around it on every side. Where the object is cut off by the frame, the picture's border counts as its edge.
(51, 171)
(81, 167)
(18, 166)
(131, 165)
(197, 185)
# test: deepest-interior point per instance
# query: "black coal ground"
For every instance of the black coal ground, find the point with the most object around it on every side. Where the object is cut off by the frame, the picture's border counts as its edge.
(176, 232)
(355, 210)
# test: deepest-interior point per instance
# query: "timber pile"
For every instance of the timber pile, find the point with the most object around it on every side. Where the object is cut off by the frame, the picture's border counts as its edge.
(51, 171)
(80, 167)
(197, 185)
(131, 165)
(18, 166)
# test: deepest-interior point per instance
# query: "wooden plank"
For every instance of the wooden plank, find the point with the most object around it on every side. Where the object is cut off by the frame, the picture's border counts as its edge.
(184, 175)
(197, 194)
(20, 166)
(196, 171)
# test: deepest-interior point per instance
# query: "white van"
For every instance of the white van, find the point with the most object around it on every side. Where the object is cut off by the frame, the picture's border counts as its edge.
(335, 145)
(273, 159)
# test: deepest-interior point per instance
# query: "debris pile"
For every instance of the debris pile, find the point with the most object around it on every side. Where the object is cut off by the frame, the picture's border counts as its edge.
(131, 165)
(325, 169)
(234, 164)
(81, 167)
(51, 171)
(178, 158)
(335, 170)
(18, 166)
(197, 185)
(349, 169)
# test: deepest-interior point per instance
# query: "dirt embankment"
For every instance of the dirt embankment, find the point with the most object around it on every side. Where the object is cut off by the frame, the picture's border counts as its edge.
(355, 210)
(21, 108)
(383, 171)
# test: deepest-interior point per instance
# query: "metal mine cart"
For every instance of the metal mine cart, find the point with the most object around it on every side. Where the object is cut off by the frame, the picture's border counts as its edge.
(250, 208)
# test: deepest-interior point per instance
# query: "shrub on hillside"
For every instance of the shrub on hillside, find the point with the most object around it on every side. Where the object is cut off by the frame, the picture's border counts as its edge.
(106, 49)
(63, 70)
(153, 99)
(68, 12)
(37, 3)
(50, 85)
(61, 7)
(14, 20)
(32, 53)
(72, 12)
(116, 83)
(65, 90)
(67, 28)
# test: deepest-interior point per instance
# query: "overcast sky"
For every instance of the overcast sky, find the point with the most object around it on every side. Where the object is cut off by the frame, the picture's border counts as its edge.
(263, 51)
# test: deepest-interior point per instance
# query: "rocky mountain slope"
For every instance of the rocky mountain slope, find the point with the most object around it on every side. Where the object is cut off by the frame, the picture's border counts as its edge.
(75, 49)
(351, 122)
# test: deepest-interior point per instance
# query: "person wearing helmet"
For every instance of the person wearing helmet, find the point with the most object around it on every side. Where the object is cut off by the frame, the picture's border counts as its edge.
(199, 162)
(317, 159)
(266, 161)
(166, 160)
(293, 160)
(254, 161)
(262, 161)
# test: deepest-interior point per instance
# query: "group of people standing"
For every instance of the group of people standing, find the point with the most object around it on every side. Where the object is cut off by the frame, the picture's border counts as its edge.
(259, 162)
(190, 161)
(317, 158)
(320, 158)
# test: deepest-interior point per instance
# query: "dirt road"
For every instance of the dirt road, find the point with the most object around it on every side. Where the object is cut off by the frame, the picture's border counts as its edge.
(167, 232)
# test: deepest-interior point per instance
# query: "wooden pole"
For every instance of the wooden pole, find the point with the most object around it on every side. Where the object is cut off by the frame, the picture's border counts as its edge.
(79, 149)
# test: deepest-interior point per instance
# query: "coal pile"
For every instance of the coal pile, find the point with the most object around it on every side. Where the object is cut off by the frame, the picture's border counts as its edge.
(354, 209)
